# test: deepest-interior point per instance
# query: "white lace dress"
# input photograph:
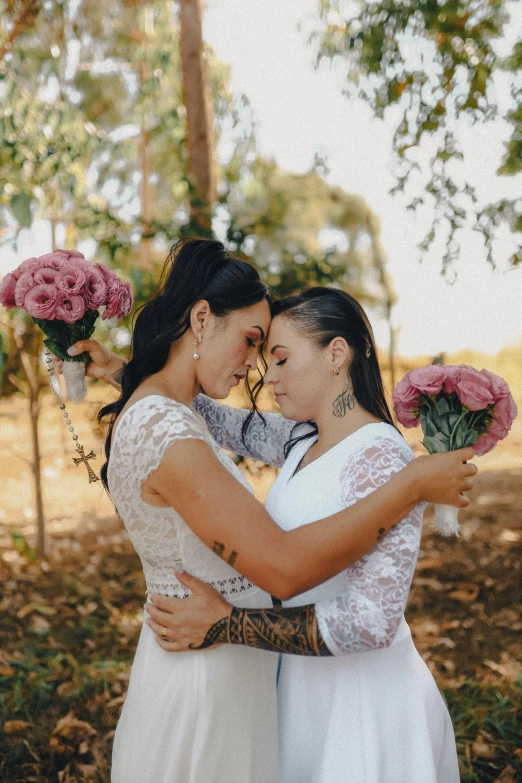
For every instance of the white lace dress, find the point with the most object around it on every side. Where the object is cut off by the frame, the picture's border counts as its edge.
(194, 717)
(372, 713)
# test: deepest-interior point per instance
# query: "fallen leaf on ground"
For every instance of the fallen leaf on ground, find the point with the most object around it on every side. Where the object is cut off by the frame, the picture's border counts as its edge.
(14, 726)
(70, 727)
(466, 592)
(508, 775)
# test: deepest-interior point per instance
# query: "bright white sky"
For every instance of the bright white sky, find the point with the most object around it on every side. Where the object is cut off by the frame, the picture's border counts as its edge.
(301, 111)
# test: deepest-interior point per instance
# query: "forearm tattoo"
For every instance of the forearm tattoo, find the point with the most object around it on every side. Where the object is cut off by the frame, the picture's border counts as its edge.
(219, 549)
(291, 630)
(344, 402)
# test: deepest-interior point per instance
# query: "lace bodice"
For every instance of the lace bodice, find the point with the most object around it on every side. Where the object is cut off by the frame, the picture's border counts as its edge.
(160, 536)
(361, 608)
(367, 611)
(264, 441)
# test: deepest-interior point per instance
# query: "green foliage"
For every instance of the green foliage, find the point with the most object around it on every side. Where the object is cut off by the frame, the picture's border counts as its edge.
(494, 717)
(62, 335)
(447, 425)
(386, 47)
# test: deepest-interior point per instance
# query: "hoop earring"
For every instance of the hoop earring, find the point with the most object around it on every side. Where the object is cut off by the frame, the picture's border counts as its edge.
(196, 343)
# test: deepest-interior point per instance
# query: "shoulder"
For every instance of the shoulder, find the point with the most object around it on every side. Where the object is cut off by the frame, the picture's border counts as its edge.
(154, 415)
(380, 452)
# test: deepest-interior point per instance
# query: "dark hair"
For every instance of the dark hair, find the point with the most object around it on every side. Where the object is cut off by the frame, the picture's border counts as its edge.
(325, 313)
(195, 269)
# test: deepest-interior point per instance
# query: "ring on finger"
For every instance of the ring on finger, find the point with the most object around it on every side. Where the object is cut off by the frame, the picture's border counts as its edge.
(164, 634)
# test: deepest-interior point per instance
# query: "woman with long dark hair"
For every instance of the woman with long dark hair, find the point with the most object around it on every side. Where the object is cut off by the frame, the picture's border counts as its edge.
(211, 716)
(355, 700)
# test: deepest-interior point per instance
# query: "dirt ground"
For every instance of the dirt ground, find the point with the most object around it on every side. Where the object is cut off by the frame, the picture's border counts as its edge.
(465, 608)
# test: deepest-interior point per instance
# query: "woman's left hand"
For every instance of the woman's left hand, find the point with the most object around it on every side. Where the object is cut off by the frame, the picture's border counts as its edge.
(186, 620)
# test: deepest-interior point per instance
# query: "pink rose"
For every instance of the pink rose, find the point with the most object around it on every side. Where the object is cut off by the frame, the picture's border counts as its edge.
(473, 389)
(452, 380)
(7, 291)
(485, 443)
(69, 308)
(405, 393)
(25, 266)
(45, 276)
(112, 281)
(70, 279)
(428, 380)
(23, 286)
(60, 257)
(95, 290)
(498, 385)
(406, 415)
(504, 414)
(120, 302)
(40, 302)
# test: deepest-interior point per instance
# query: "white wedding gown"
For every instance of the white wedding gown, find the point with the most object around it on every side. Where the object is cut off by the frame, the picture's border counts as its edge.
(371, 713)
(195, 717)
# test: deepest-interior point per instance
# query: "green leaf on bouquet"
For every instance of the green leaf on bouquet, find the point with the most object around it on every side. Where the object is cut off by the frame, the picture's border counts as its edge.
(444, 424)
(436, 444)
(61, 335)
(443, 406)
(471, 438)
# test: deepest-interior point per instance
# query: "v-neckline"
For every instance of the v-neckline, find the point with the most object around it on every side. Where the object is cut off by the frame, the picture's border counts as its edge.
(296, 472)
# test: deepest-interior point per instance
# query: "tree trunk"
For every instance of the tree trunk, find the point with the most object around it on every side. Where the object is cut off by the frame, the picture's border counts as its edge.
(146, 254)
(390, 297)
(200, 116)
(29, 360)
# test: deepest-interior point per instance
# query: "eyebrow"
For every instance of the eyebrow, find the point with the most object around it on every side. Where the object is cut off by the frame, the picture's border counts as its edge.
(278, 346)
(261, 331)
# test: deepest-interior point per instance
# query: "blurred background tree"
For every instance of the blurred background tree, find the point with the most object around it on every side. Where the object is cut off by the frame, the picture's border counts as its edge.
(430, 67)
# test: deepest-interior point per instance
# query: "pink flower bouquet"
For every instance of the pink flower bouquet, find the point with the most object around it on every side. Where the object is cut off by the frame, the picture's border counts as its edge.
(63, 292)
(456, 407)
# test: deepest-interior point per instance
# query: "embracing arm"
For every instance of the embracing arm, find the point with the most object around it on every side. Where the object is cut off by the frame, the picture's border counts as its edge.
(230, 521)
(264, 440)
(365, 612)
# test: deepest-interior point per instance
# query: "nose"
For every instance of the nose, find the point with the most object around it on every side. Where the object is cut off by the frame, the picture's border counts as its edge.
(251, 360)
(270, 375)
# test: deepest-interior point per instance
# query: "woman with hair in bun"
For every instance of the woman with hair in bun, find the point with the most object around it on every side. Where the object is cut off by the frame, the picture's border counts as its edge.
(211, 714)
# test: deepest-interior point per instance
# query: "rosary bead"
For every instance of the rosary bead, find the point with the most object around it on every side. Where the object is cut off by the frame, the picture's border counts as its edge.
(71, 429)
(62, 406)
(75, 437)
(65, 415)
(68, 421)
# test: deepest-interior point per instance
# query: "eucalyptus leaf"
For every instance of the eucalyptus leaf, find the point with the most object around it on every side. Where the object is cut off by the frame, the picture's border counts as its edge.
(437, 444)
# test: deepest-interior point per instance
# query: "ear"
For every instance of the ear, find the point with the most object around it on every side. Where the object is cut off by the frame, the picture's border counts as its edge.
(200, 316)
(338, 352)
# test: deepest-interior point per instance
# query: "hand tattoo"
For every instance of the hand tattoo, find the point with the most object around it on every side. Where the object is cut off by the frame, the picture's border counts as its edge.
(345, 401)
(291, 630)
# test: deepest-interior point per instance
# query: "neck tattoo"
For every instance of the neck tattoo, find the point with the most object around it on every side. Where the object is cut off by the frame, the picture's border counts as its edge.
(344, 402)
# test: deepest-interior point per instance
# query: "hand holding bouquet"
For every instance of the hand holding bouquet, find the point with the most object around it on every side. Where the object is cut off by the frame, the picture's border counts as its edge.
(456, 406)
(63, 292)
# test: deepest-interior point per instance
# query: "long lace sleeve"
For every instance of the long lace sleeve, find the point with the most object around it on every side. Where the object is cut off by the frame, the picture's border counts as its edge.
(367, 613)
(264, 440)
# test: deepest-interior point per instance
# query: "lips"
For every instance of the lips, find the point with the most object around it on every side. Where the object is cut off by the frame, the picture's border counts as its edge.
(239, 378)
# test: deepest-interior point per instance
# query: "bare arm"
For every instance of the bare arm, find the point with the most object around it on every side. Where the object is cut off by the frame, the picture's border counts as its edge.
(230, 521)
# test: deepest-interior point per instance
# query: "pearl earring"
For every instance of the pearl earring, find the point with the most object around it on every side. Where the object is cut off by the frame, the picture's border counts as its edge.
(336, 370)
(196, 343)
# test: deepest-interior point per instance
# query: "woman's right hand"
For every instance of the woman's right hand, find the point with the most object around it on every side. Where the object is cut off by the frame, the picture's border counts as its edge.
(443, 478)
(103, 363)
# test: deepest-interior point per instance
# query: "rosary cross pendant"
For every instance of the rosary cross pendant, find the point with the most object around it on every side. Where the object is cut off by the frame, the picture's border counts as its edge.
(85, 459)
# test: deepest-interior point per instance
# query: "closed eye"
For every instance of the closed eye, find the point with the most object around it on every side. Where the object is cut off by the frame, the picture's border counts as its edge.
(250, 342)
(281, 362)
